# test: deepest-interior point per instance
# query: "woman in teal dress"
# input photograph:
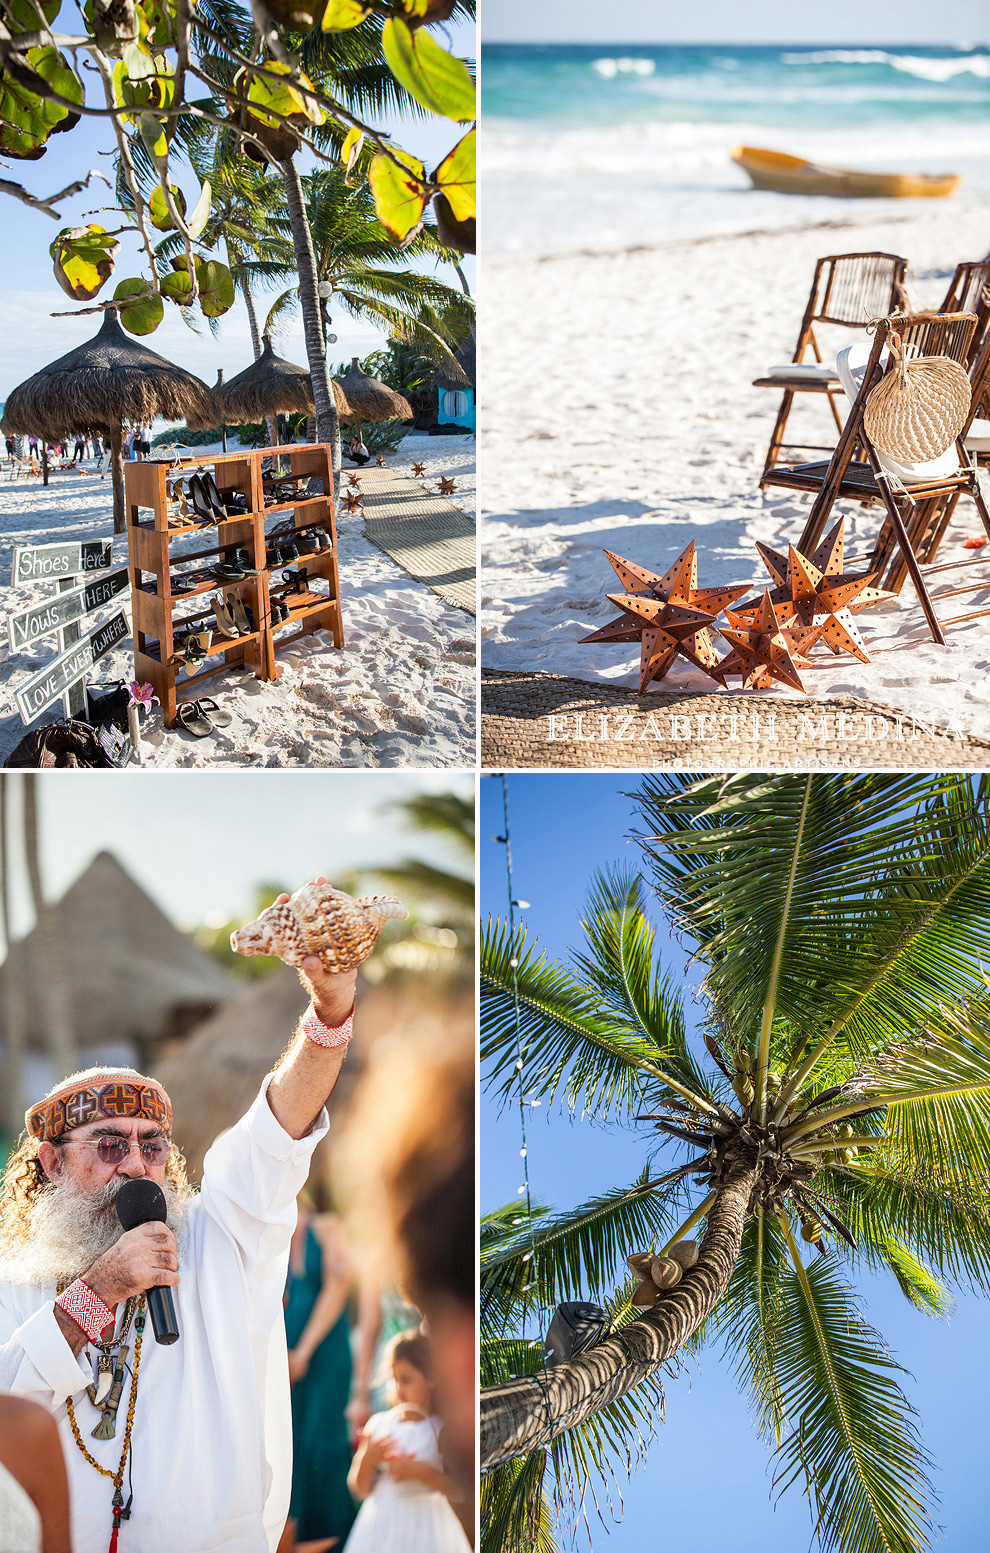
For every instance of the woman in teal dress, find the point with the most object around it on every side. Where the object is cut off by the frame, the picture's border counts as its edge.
(318, 1335)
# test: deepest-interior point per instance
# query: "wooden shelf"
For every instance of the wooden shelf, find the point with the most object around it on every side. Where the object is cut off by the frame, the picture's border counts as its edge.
(158, 611)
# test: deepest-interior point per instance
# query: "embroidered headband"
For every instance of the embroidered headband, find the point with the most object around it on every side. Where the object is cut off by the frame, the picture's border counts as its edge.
(95, 1095)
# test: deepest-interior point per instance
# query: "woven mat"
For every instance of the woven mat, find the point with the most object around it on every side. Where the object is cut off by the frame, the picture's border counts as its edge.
(428, 536)
(548, 720)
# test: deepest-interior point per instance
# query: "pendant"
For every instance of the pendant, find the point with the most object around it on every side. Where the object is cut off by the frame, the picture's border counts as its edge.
(104, 1380)
(106, 1428)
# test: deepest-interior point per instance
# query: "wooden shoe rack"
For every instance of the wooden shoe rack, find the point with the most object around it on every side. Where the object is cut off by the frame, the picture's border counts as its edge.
(157, 610)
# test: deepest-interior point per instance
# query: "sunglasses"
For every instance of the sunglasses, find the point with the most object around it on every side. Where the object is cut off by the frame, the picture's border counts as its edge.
(114, 1150)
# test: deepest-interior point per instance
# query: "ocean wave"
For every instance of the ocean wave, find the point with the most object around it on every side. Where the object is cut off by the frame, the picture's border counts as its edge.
(608, 69)
(909, 64)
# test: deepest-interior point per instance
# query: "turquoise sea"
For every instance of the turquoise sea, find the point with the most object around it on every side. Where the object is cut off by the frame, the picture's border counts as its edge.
(592, 146)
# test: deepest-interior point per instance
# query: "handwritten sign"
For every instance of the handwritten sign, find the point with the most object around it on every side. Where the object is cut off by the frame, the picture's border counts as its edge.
(28, 626)
(72, 666)
(50, 563)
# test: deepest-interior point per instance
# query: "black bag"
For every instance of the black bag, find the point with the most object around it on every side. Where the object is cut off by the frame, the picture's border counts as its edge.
(65, 743)
(109, 705)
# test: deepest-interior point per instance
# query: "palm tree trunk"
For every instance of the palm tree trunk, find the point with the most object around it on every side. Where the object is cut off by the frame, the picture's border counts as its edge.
(117, 476)
(14, 1009)
(252, 318)
(327, 422)
(524, 1415)
(47, 975)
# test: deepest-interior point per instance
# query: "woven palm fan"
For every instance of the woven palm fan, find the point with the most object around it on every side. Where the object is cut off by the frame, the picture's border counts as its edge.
(919, 407)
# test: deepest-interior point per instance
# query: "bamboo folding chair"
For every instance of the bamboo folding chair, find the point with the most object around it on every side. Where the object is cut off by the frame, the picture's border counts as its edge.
(919, 504)
(969, 292)
(850, 289)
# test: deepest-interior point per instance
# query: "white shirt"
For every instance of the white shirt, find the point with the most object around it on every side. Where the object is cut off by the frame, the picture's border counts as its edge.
(20, 1523)
(211, 1449)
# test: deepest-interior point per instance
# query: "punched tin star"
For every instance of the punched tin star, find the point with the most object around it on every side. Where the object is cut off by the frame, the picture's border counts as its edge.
(764, 650)
(668, 614)
(820, 590)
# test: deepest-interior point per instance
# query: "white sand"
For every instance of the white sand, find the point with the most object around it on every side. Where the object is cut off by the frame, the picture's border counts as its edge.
(620, 416)
(401, 693)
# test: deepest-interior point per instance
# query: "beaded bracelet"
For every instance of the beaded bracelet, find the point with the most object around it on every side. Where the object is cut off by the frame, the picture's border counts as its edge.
(85, 1308)
(322, 1034)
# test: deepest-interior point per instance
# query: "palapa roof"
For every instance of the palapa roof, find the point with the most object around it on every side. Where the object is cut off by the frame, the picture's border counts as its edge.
(273, 386)
(370, 400)
(107, 380)
(132, 975)
(466, 358)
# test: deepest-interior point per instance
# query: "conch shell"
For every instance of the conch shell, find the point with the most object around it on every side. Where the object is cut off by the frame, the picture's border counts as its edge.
(319, 920)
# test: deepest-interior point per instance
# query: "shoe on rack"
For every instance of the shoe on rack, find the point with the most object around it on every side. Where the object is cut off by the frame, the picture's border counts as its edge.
(243, 560)
(243, 615)
(228, 571)
(228, 505)
(224, 616)
(201, 504)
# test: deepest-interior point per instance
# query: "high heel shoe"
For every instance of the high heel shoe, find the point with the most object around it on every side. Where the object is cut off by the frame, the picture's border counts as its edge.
(224, 617)
(201, 503)
(243, 616)
(229, 505)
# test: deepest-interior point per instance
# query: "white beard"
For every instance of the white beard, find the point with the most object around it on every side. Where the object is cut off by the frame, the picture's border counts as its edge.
(71, 1229)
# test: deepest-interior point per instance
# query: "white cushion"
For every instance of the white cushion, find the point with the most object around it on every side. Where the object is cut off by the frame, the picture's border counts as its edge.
(806, 371)
(977, 439)
(851, 364)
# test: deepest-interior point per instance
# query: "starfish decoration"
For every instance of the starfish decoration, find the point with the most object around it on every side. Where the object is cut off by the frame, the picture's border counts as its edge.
(665, 636)
(447, 487)
(765, 649)
(354, 479)
(419, 469)
(819, 589)
(380, 460)
(352, 501)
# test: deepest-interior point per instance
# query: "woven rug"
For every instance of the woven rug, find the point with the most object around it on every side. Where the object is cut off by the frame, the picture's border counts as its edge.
(428, 536)
(548, 720)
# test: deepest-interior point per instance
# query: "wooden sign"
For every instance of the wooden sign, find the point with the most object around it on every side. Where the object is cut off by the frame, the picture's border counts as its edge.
(28, 626)
(70, 668)
(50, 563)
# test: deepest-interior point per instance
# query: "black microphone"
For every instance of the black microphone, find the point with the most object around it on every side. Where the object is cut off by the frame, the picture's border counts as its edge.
(140, 1201)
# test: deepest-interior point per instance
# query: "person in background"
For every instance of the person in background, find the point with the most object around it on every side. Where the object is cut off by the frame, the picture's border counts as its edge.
(34, 1488)
(10, 446)
(79, 451)
(399, 1468)
(105, 458)
(318, 1335)
(357, 452)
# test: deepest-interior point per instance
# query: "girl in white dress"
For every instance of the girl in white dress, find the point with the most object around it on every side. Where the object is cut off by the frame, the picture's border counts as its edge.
(398, 1470)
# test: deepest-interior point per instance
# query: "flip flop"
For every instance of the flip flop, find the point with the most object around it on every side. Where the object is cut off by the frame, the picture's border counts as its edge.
(189, 716)
(214, 713)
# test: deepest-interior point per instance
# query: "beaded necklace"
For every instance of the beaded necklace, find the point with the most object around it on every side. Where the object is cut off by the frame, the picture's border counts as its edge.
(120, 1513)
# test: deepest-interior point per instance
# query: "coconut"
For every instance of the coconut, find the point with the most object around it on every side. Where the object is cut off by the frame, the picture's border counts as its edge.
(744, 1089)
(811, 1230)
(640, 1262)
(665, 1272)
(684, 1253)
(645, 1294)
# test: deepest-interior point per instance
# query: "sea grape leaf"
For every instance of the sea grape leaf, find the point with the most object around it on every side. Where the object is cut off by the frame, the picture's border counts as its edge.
(399, 192)
(177, 287)
(425, 12)
(282, 97)
(351, 149)
(201, 211)
(151, 132)
(343, 14)
(161, 216)
(216, 287)
(456, 178)
(438, 80)
(83, 260)
(27, 120)
(145, 313)
(22, 15)
(115, 25)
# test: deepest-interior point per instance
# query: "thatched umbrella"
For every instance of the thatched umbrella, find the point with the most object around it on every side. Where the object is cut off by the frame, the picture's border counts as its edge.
(371, 400)
(272, 386)
(110, 379)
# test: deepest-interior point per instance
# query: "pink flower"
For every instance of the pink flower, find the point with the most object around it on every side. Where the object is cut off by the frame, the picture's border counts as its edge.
(141, 695)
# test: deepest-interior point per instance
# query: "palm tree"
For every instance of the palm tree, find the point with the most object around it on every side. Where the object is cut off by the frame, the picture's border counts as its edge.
(835, 1097)
(357, 257)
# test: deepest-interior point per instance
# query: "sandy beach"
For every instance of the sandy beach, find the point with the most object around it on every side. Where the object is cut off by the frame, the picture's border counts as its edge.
(620, 416)
(402, 692)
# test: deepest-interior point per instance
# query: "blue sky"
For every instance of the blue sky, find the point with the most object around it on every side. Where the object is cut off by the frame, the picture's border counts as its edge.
(726, 21)
(200, 844)
(706, 1467)
(30, 337)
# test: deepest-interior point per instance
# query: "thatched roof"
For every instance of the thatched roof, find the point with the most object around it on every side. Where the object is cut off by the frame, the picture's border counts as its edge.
(109, 379)
(132, 976)
(466, 358)
(216, 1074)
(273, 386)
(371, 400)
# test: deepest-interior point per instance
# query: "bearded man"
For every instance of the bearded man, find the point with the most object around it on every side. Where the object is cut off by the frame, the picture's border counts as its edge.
(191, 1450)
